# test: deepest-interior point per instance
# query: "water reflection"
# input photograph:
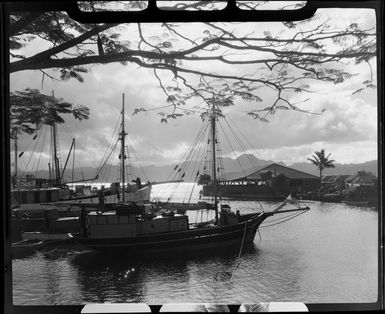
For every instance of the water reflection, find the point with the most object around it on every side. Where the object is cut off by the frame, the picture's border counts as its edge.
(321, 256)
(137, 278)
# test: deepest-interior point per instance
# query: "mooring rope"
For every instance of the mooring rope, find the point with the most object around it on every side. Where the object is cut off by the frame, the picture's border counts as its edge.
(240, 251)
(231, 274)
(290, 218)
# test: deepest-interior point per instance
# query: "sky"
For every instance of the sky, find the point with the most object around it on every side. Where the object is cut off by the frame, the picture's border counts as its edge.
(347, 129)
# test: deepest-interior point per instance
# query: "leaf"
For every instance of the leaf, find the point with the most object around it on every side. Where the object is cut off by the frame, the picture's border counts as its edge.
(264, 120)
(80, 69)
(137, 110)
(254, 115)
(64, 75)
(204, 115)
(163, 120)
(171, 98)
(167, 44)
(282, 107)
(358, 91)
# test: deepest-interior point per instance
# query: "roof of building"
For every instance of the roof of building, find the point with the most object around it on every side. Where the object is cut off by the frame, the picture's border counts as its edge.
(361, 179)
(275, 169)
(336, 178)
(241, 175)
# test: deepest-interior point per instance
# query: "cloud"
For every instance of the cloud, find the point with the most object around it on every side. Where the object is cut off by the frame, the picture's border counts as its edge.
(347, 128)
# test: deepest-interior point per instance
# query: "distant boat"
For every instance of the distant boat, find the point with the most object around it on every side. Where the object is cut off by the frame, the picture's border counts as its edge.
(134, 227)
(359, 203)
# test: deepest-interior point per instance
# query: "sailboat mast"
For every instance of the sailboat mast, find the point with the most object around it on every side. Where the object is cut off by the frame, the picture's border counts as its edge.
(123, 135)
(15, 160)
(56, 163)
(55, 158)
(213, 140)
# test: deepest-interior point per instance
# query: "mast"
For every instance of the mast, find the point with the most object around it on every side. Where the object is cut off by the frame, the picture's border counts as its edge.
(55, 159)
(15, 157)
(69, 154)
(213, 140)
(49, 172)
(123, 135)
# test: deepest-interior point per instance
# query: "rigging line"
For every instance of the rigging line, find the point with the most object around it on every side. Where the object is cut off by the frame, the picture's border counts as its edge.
(108, 168)
(196, 165)
(220, 166)
(142, 170)
(30, 143)
(130, 167)
(73, 165)
(207, 165)
(245, 138)
(107, 159)
(79, 144)
(232, 148)
(33, 151)
(113, 152)
(130, 171)
(239, 140)
(242, 146)
(111, 142)
(138, 161)
(22, 165)
(247, 155)
(270, 225)
(38, 163)
(68, 131)
(195, 156)
(240, 251)
(186, 154)
(199, 169)
(194, 152)
(284, 217)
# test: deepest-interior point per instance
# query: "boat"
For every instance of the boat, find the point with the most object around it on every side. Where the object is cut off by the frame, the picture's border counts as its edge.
(132, 227)
(359, 203)
(25, 248)
(30, 193)
(33, 200)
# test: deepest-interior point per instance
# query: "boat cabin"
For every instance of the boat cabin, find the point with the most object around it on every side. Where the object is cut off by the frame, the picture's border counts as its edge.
(32, 198)
(131, 220)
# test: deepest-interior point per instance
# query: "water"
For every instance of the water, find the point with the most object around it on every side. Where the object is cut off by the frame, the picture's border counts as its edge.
(327, 255)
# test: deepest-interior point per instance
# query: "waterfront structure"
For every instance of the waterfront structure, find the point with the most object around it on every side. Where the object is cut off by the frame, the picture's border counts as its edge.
(272, 182)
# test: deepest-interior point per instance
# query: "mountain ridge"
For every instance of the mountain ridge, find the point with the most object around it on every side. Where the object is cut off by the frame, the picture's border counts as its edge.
(154, 173)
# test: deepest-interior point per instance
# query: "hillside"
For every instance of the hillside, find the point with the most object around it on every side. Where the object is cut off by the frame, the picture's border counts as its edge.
(244, 162)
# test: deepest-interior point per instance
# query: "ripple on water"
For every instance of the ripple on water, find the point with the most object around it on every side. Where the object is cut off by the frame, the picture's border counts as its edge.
(321, 256)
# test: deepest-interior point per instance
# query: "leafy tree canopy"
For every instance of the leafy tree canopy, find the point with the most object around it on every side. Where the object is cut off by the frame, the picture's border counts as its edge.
(215, 63)
(30, 110)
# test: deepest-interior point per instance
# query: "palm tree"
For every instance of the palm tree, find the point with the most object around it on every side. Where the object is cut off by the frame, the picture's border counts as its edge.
(322, 162)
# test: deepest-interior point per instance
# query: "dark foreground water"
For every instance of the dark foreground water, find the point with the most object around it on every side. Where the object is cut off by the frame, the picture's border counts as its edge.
(327, 255)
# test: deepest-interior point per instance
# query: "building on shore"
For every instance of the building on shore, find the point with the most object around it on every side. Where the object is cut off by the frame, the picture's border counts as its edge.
(273, 182)
(361, 188)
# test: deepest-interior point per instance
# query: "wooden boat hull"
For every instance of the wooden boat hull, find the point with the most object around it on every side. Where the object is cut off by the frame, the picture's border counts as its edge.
(25, 248)
(193, 238)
